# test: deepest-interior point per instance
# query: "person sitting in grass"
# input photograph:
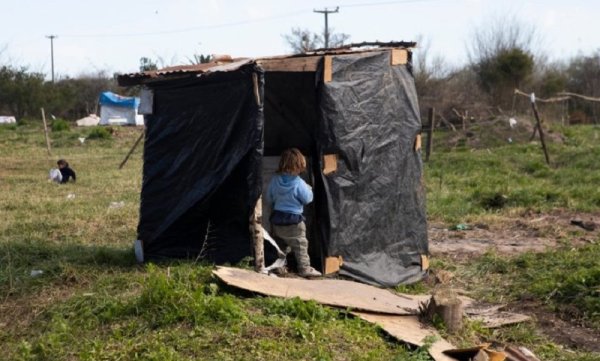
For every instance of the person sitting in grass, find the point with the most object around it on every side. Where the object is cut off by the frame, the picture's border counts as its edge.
(65, 171)
(288, 193)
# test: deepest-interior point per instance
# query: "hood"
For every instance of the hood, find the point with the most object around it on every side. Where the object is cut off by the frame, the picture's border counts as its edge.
(286, 181)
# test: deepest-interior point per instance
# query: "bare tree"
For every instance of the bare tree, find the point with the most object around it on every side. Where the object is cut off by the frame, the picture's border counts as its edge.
(502, 52)
(303, 40)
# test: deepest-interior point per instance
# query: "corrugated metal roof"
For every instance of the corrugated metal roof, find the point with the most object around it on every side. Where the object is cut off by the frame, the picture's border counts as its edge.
(204, 68)
(234, 64)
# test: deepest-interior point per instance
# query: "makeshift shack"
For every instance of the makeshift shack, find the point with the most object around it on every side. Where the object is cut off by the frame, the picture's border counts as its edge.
(214, 132)
(116, 109)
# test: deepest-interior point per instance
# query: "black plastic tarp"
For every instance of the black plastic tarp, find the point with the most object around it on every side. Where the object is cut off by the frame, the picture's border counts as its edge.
(376, 198)
(203, 158)
(202, 166)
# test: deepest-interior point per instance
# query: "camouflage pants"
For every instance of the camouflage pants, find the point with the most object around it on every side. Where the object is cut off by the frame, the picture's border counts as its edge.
(295, 237)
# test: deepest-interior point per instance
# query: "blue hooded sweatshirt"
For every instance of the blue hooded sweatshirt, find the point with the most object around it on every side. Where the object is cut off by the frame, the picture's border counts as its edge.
(289, 193)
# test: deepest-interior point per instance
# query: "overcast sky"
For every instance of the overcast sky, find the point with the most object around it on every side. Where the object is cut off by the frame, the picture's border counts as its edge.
(113, 35)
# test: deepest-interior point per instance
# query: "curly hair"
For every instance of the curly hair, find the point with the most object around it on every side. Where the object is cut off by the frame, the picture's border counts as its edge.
(292, 162)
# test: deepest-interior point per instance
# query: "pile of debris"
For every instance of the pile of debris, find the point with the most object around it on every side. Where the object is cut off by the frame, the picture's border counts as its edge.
(400, 315)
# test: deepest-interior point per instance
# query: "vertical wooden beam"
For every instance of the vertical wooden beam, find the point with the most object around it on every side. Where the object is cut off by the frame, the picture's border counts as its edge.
(256, 89)
(430, 134)
(258, 240)
(327, 68)
(46, 132)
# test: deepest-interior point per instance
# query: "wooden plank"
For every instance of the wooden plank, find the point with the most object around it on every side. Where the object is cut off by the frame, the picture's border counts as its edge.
(333, 264)
(418, 142)
(339, 293)
(408, 329)
(399, 57)
(327, 69)
(329, 163)
(299, 64)
(424, 262)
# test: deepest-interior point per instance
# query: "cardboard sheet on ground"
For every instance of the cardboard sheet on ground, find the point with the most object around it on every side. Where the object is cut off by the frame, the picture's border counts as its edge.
(409, 329)
(500, 319)
(491, 316)
(338, 293)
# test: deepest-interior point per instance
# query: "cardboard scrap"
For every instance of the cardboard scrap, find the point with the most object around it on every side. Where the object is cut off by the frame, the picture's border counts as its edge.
(519, 354)
(408, 329)
(339, 293)
(481, 352)
(491, 316)
(500, 319)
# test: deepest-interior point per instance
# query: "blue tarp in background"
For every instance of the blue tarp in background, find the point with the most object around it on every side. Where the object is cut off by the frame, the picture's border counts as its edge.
(110, 98)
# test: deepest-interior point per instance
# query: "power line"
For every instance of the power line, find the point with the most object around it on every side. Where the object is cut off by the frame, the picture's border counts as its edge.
(378, 3)
(190, 29)
(237, 23)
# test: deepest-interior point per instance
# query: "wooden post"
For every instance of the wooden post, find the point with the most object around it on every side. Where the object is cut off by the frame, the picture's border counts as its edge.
(46, 132)
(445, 305)
(132, 149)
(430, 134)
(258, 240)
(539, 128)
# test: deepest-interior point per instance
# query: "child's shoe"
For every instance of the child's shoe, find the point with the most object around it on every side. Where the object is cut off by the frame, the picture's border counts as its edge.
(309, 272)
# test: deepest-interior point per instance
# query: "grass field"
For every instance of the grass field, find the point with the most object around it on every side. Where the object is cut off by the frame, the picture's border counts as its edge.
(92, 302)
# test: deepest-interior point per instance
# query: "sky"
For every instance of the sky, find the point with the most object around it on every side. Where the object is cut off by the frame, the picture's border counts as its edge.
(112, 35)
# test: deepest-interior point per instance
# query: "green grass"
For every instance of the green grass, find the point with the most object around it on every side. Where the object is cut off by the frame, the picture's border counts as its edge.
(566, 279)
(92, 302)
(463, 184)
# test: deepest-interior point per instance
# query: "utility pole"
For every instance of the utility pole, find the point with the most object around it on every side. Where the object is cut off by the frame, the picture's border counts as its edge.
(326, 12)
(52, 37)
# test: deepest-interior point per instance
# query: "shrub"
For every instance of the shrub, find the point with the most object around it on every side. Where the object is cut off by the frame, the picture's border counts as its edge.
(60, 125)
(99, 133)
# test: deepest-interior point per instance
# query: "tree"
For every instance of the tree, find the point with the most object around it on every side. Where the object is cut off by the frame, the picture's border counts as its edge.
(200, 59)
(583, 74)
(502, 55)
(22, 91)
(303, 40)
(147, 64)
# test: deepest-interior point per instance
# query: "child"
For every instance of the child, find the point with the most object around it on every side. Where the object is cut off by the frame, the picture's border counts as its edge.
(288, 194)
(65, 171)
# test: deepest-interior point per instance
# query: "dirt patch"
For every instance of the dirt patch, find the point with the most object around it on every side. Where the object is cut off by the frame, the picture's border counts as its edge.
(528, 231)
(566, 333)
(17, 314)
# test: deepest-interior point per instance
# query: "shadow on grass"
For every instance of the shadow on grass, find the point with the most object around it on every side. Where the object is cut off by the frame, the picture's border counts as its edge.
(28, 266)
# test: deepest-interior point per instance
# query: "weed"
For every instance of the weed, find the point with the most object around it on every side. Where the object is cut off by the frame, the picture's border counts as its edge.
(60, 125)
(99, 133)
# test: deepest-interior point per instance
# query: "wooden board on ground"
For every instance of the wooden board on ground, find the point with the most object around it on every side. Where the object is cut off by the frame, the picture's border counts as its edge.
(408, 329)
(339, 293)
